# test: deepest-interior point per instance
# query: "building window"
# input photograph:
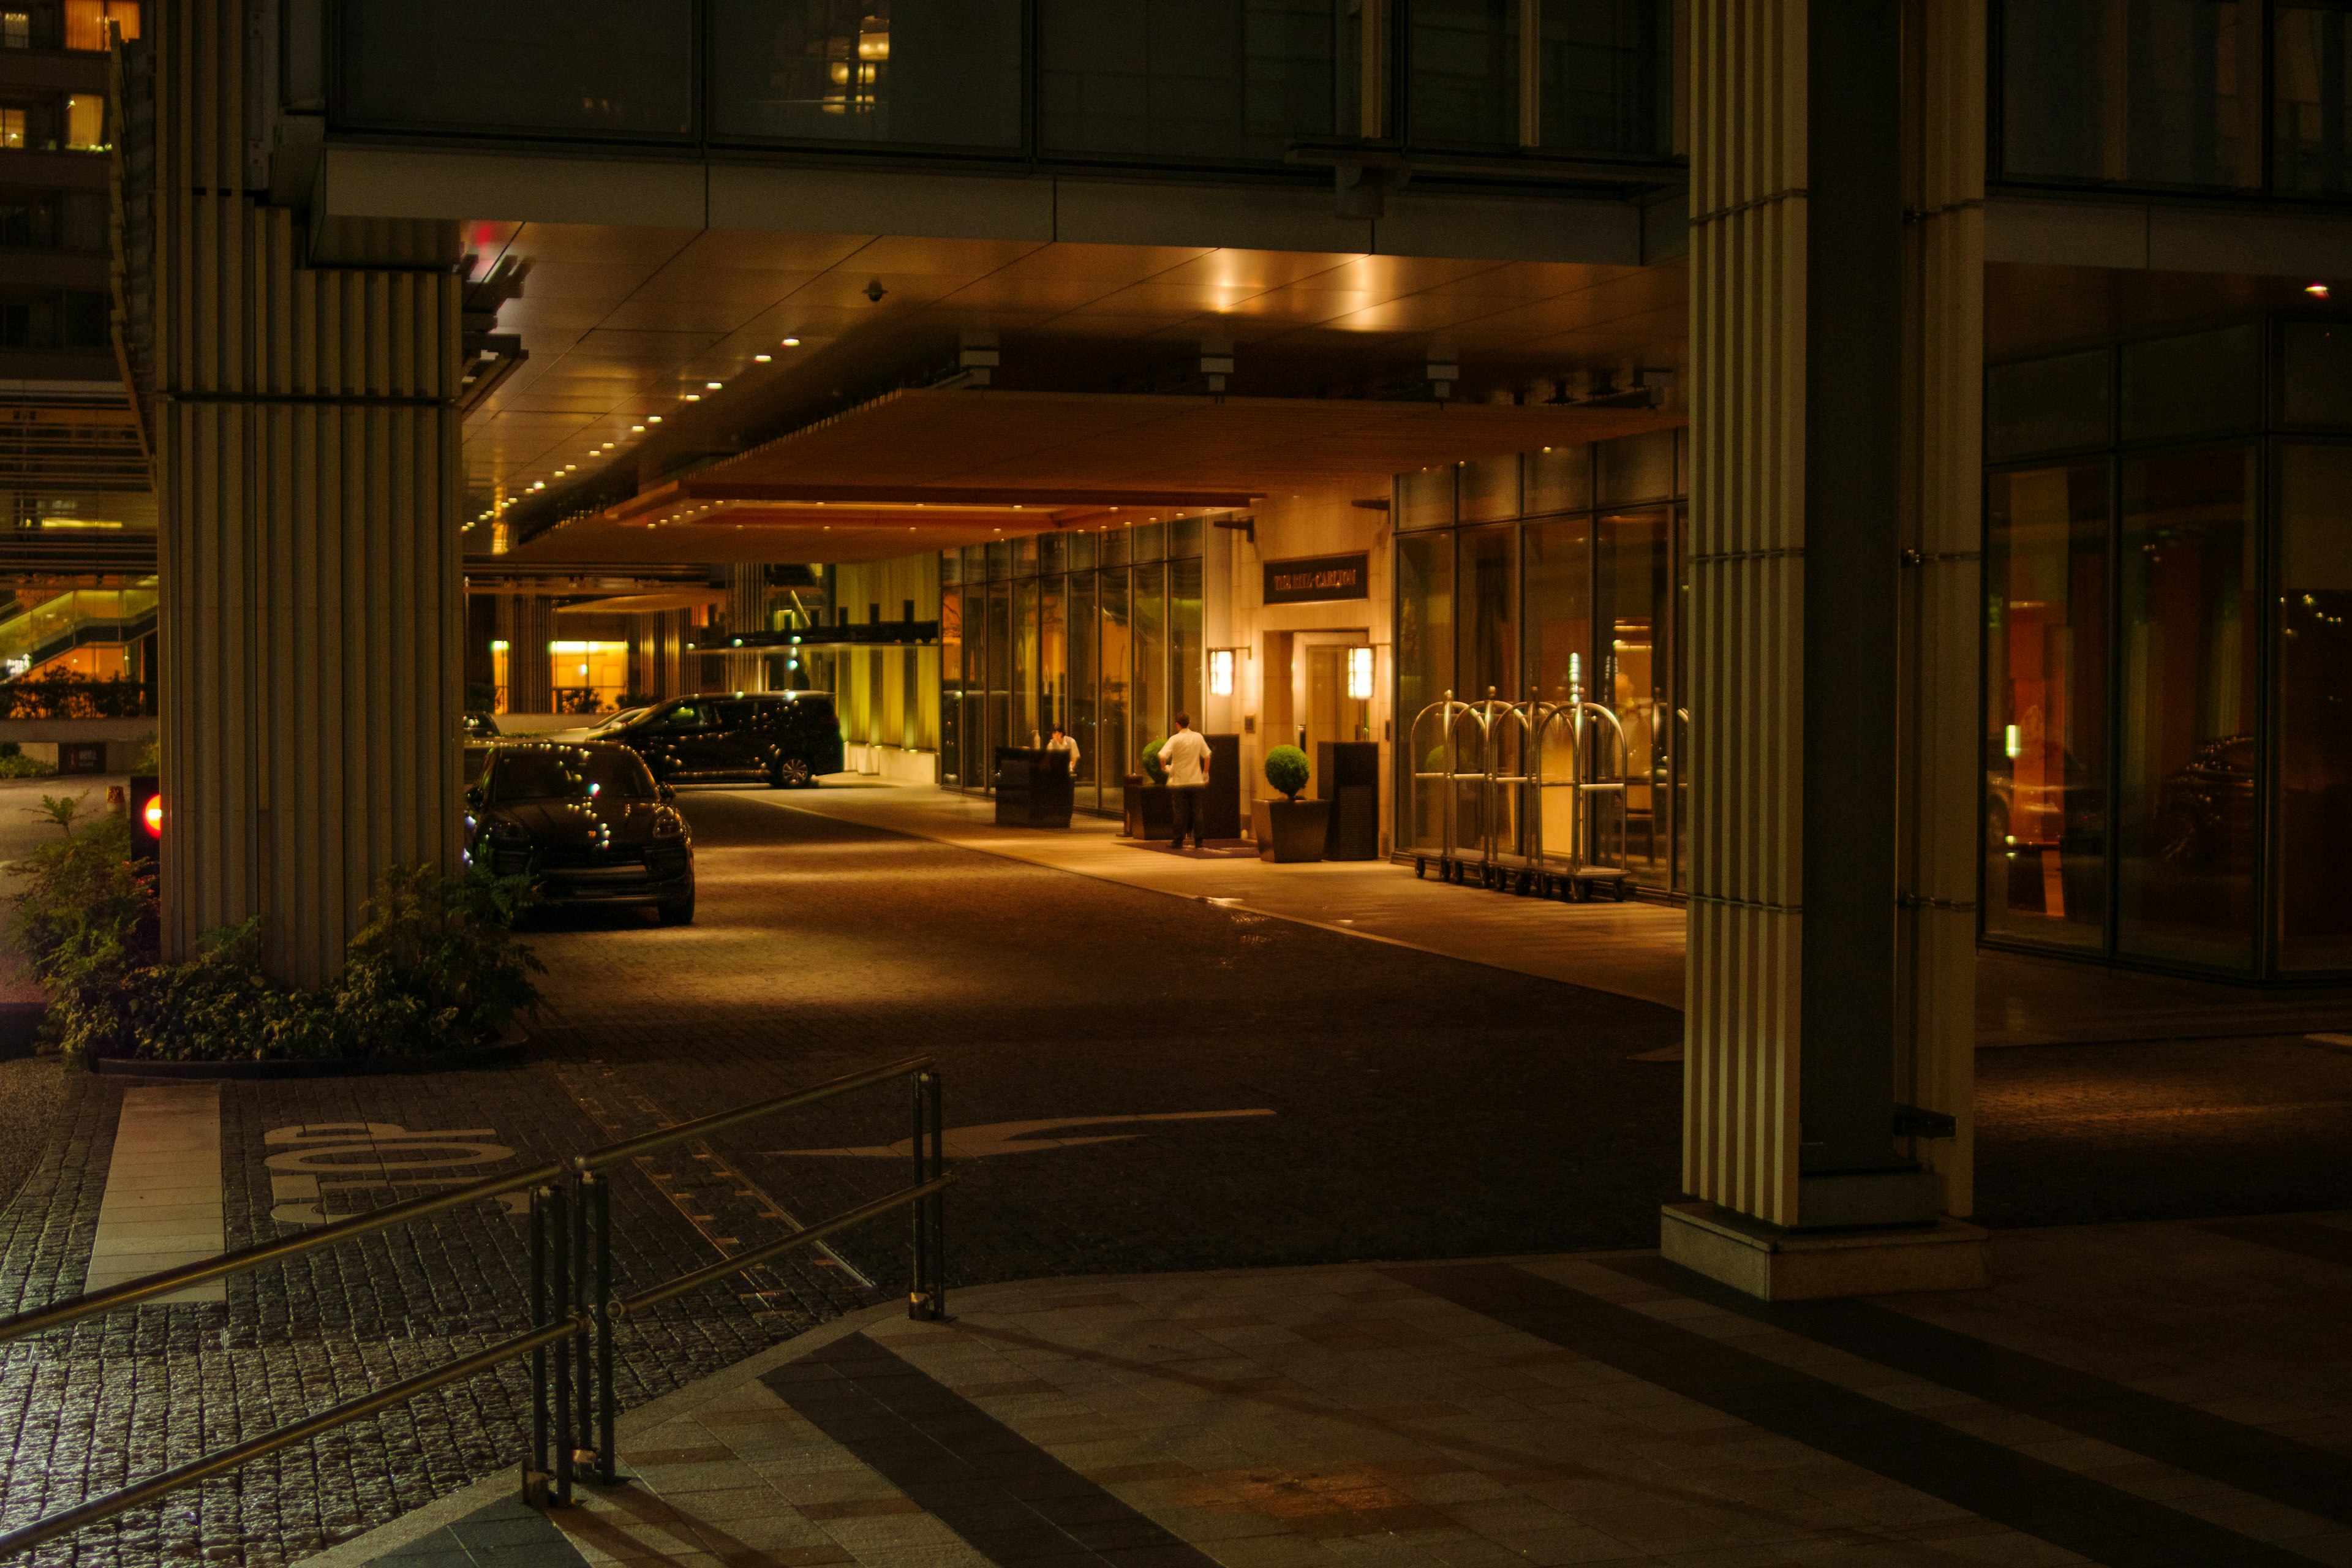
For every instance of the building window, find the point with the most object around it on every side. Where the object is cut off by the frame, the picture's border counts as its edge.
(2312, 657)
(1187, 78)
(86, 22)
(944, 73)
(2311, 141)
(588, 677)
(15, 126)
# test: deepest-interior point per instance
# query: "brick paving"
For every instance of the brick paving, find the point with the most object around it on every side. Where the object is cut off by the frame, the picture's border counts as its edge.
(1420, 1108)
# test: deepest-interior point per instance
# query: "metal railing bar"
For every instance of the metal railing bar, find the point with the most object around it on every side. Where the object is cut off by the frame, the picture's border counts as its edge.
(759, 1255)
(662, 1138)
(253, 1257)
(284, 1437)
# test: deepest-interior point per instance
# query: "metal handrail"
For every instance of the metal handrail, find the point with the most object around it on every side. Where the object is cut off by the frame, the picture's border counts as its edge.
(579, 1308)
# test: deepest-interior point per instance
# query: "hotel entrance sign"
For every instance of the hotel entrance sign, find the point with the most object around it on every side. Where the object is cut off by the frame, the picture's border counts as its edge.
(1318, 578)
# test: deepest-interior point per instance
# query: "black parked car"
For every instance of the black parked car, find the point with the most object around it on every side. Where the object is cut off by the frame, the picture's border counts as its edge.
(786, 738)
(587, 822)
(476, 722)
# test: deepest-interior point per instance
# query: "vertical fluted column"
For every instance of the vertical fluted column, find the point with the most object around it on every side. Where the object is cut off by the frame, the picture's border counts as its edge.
(1943, 620)
(312, 614)
(747, 611)
(1748, 266)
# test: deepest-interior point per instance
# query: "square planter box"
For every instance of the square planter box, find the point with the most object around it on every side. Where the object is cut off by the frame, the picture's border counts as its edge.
(1291, 830)
(1148, 814)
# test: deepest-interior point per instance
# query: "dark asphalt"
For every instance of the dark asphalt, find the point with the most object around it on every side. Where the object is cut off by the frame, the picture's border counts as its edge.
(1399, 1105)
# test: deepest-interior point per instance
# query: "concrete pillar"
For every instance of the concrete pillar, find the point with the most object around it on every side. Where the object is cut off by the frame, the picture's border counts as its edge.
(747, 611)
(312, 610)
(1806, 1001)
(657, 652)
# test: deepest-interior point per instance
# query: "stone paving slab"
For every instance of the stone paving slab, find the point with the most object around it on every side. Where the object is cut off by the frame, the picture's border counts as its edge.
(1601, 1407)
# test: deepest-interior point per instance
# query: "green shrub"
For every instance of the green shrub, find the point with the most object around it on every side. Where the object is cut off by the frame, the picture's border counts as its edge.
(150, 761)
(1151, 768)
(1286, 770)
(15, 764)
(435, 968)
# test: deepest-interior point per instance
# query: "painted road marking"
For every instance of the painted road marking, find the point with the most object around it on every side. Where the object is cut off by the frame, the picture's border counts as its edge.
(1019, 1137)
(162, 1202)
(318, 1158)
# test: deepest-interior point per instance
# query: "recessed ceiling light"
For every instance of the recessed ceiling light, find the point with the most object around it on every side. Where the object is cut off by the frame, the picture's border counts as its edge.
(762, 359)
(791, 343)
(653, 418)
(694, 398)
(637, 429)
(714, 386)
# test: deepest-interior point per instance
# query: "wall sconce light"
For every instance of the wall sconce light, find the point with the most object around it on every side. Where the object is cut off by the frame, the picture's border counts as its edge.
(1220, 672)
(1360, 674)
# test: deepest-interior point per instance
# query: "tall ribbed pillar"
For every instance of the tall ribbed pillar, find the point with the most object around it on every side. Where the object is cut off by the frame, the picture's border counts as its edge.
(747, 611)
(526, 624)
(1831, 638)
(311, 609)
(1943, 612)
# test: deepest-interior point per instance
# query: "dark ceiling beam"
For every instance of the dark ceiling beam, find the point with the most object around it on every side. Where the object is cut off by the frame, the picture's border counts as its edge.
(683, 490)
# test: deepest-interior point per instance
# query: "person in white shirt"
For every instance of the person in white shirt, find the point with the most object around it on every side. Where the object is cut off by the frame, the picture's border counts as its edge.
(1059, 740)
(1185, 756)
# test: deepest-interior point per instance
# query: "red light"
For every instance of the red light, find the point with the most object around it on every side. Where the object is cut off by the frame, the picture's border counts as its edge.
(152, 814)
(2316, 290)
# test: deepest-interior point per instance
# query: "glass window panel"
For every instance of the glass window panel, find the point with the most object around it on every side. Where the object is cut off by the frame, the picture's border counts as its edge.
(1053, 552)
(976, 563)
(1082, 551)
(1111, 738)
(2318, 373)
(2185, 816)
(1026, 672)
(2311, 145)
(2056, 405)
(1025, 555)
(1053, 654)
(1466, 72)
(616, 69)
(1636, 468)
(1488, 624)
(1184, 653)
(1424, 672)
(1000, 560)
(1560, 479)
(1607, 69)
(1557, 584)
(2045, 878)
(2135, 91)
(1490, 489)
(1000, 678)
(2315, 708)
(951, 686)
(1151, 714)
(941, 73)
(1193, 79)
(951, 568)
(1425, 498)
(1634, 588)
(1085, 678)
(2193, 386)
(1146, 542)
(1184, 538)
(1112, 545)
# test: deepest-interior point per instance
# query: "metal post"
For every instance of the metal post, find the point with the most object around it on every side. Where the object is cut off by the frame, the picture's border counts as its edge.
(607, 1461)
(919, 1290)
(534, 1468)
(582, 1349)
(936, 1202)
(560, 1232)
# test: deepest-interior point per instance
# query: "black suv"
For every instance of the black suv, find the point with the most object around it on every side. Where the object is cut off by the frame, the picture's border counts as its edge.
(787, 738)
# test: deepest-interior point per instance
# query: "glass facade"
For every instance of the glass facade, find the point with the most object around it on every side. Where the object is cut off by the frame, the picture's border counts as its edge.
(2193, 95)
(1099, 632)
(1577, 595)
(2168, 722)
(1140, 82)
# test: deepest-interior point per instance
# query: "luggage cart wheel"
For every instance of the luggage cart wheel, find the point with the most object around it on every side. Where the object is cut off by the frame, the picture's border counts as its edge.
(1621, 890)
(1420, 867)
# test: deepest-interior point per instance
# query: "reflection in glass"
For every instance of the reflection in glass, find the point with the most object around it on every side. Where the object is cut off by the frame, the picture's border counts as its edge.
(952, 687)
(1607, 69)
(1000, 679)
(1557, 578)
(2314, 698)
(2201, 384)
(2185, 809)
(1424, 670)
(565, 68)
(1052, 655)
(2311, 147)
(1184, 636)
(1236, 78)
(1487, 665)
(2139, 91)
(1634, 589)
(1112, 742)
(2056, 405)
(1150, 658)
(912, 72)
(1084, 673)
(1026, 671)
(2046, 706)
(1466, 72)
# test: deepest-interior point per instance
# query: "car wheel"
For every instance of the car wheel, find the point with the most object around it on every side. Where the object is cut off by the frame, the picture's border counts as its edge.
(790, 772)
(678, 911)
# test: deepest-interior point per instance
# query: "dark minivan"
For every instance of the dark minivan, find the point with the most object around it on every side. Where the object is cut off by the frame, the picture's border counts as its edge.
(786, 738)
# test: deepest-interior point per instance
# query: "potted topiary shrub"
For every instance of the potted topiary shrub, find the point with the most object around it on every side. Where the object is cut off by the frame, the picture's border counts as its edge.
(1149, 814)
(1295, 828)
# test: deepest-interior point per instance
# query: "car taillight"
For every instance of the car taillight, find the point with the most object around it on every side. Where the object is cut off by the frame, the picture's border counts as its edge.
(154, 816)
